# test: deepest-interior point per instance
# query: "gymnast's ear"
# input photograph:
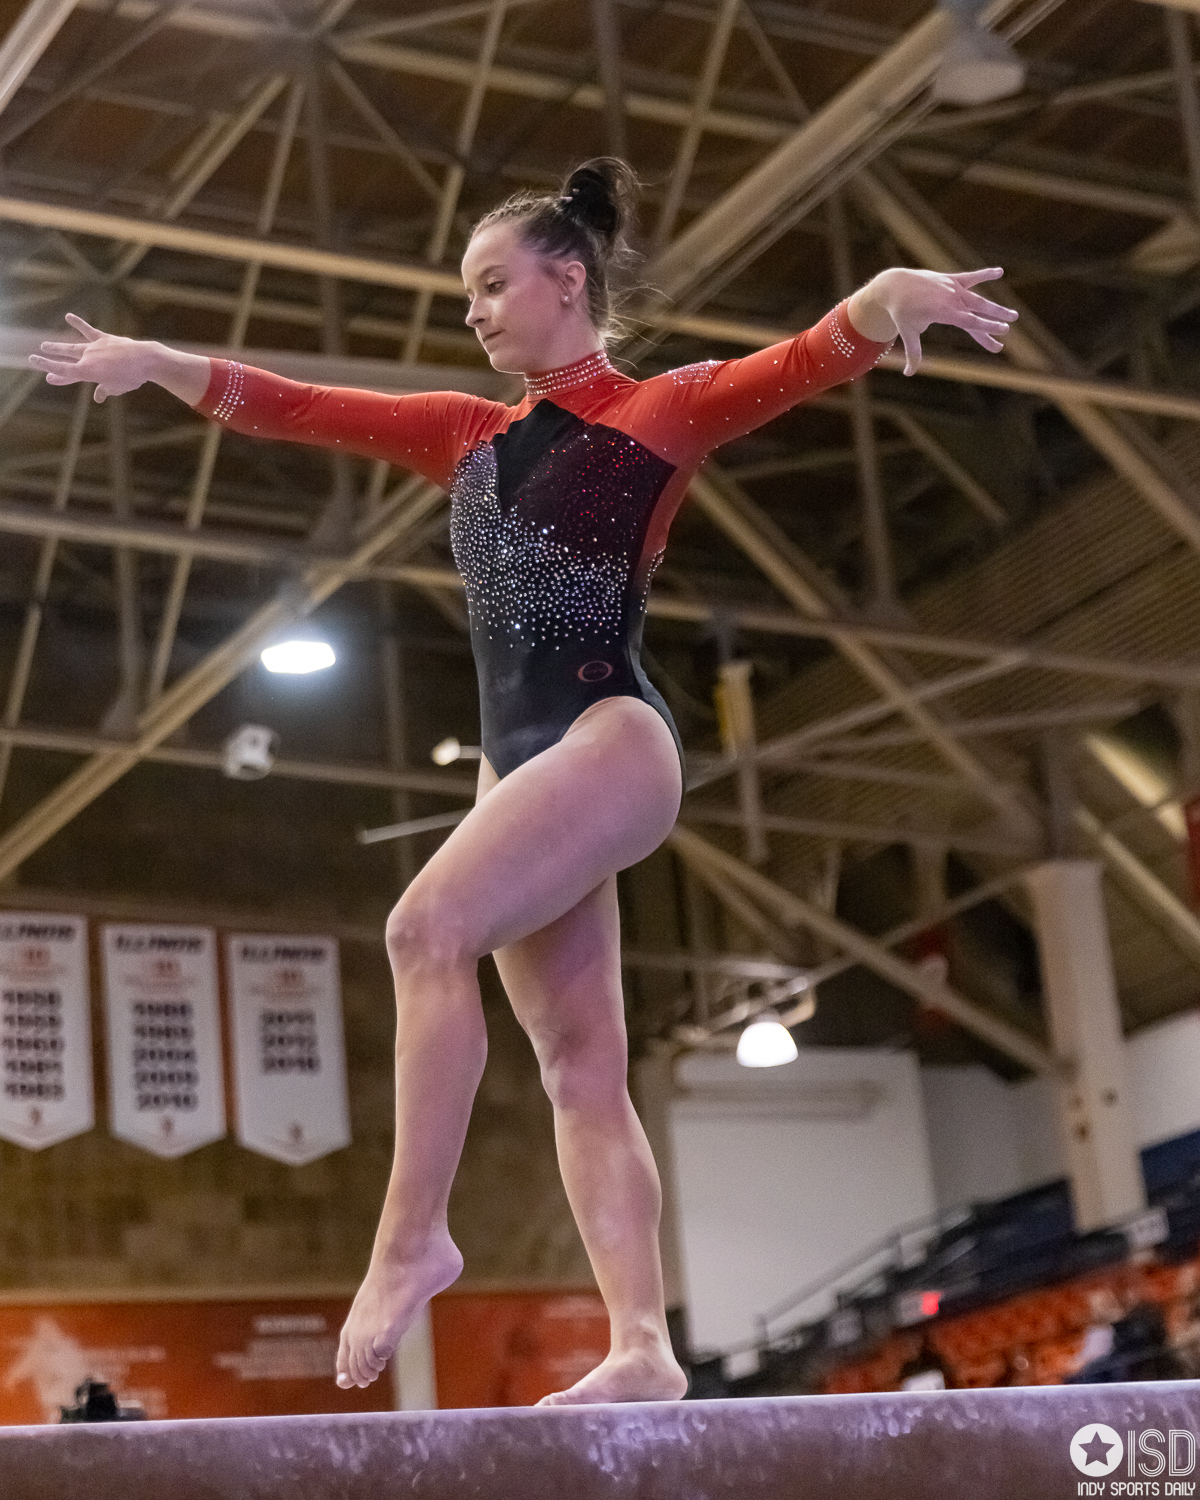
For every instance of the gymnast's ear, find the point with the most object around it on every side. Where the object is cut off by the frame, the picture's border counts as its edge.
(571, 276)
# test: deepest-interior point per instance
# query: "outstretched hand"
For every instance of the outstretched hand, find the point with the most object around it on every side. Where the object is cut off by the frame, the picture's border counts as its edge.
(915, 299)
(115, 364)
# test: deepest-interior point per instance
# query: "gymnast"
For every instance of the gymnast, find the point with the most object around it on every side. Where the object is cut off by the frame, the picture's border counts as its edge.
(560, 508)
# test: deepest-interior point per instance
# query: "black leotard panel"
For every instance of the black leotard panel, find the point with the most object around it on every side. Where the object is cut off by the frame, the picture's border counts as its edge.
(548, 524)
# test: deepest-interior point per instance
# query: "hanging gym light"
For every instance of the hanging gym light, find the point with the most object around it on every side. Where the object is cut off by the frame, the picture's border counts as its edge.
(766, 1043)
(978, 66)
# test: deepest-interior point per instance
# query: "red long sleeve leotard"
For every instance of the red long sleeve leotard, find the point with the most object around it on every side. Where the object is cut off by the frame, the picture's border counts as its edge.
(560, 505)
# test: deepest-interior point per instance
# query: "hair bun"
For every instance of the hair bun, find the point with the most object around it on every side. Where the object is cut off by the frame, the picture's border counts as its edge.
(588, 196)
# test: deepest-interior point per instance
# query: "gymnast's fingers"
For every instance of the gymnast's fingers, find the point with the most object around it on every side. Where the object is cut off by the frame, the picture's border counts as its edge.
(90, 334)
(910, 337)
(989, 309)
(973, 278)
(56, 371)
(72, 350)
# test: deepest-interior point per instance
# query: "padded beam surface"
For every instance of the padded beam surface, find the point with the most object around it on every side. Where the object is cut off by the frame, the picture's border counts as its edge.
(1015, 1444)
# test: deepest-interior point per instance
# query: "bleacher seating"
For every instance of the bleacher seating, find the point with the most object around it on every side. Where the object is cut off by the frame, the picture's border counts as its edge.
(1003, 1294)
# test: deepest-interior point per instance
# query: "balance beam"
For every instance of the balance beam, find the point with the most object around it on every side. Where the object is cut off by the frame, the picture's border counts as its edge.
(1035, 1443)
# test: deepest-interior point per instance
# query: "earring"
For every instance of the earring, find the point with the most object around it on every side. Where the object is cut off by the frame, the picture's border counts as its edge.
(566, 299)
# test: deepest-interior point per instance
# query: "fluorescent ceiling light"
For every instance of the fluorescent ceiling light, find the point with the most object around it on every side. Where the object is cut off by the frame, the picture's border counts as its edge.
(298, 656)
(766, 1044)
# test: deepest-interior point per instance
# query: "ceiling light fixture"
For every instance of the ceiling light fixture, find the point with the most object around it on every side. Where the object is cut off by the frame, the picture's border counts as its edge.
(298, 657)
(978, 66)
(766, 1043)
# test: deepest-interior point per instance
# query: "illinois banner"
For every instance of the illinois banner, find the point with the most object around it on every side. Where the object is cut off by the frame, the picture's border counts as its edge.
(166, 1089)
(45, 1029)
(289, 1051)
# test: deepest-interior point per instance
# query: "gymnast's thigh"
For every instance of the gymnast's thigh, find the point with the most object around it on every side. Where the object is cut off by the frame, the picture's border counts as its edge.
(545, 836)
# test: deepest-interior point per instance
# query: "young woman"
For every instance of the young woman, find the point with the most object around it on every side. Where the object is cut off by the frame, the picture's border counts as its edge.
(560, 508)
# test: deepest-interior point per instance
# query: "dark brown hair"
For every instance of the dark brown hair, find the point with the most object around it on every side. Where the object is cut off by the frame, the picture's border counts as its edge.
(589, 220)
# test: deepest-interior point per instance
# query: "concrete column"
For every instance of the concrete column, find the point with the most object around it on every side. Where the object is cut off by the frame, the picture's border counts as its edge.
(1094, 1112)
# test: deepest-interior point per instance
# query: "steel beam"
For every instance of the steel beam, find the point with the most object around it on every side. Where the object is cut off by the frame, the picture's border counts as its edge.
(266, 550)
(854, 832)
(157, 18)
(747, 913)
(394, 142)
(1056, 385)
(225, 141)
(151, 292)
(456, 173)
(793, 911)
(655, 108)
(362, 45)
(1050, 718)
(16, 396)
(131, 645)
(38, 25)
(205, 468)
(1183, 65)
(774, 554)
(1030, 344)
(689, 143)
(1057, 187)
(407, 275)
(948, 466)
(408, 508)
(850, 125)
(882, 598)
(385, 778)
(35, 610)
(606, 33)
(1177, 921)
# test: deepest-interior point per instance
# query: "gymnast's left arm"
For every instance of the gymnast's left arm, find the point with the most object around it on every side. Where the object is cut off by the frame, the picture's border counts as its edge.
(703, 406)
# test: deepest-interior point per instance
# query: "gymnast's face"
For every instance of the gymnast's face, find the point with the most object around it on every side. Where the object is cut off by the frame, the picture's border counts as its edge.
(528, 311)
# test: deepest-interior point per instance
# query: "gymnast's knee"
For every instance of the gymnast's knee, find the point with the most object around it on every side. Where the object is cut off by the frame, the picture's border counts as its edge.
(584, 1072)
(429, 931)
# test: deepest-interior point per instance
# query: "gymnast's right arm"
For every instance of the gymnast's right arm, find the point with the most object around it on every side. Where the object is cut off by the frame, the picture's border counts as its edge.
(426, 433)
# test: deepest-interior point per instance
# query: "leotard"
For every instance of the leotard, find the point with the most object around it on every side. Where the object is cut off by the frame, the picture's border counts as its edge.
(560, 505)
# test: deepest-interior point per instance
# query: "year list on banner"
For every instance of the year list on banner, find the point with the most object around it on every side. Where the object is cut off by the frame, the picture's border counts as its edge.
(289, 1050)
(166, 1082)
(45, 1029)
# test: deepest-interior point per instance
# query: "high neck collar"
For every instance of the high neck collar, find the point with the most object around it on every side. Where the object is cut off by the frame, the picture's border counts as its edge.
(582, 372)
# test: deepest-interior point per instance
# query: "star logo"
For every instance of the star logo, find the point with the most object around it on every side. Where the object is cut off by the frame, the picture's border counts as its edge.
(1096, 1450)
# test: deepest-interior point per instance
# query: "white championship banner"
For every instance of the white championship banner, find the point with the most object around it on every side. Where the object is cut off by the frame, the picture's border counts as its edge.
(45, 1029)
(289, 1051)
(166, 1079)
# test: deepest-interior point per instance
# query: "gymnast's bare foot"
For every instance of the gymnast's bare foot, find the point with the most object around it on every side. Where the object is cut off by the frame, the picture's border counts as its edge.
(394, 1290)
(650, 1373)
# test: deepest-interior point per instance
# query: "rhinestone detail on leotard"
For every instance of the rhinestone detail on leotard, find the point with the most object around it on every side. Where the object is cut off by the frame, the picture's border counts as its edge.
(582, 372)
(525, 581)
(231, 397)
(837, 333)
(695, 374)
